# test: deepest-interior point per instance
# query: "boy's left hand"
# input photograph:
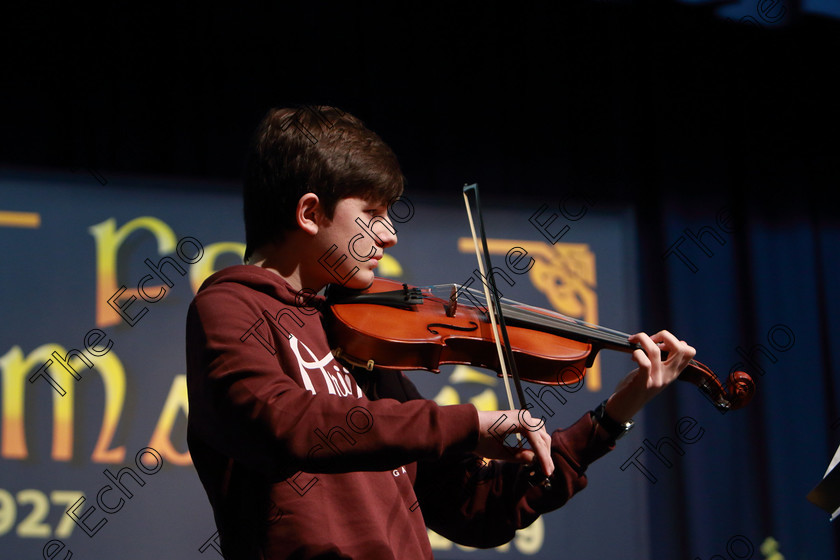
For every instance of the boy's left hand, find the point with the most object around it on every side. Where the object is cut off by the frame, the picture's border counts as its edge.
(652, 375)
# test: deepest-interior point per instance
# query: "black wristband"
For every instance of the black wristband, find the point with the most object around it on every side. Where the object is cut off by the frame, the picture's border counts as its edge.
(616, 430)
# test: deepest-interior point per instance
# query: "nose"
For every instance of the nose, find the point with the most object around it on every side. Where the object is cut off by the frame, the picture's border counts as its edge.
(380, 230)
(386, 232)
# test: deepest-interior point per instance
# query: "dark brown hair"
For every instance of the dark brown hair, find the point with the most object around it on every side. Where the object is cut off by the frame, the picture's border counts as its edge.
(317, 149)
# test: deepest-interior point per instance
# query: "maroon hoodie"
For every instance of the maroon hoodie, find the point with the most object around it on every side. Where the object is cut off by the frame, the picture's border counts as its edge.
(302, 458)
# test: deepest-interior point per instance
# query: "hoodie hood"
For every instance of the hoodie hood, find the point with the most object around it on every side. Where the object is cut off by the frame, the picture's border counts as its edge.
(264, 281)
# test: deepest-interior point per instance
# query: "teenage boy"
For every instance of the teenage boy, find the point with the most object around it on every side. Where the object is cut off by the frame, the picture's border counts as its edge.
(303, 458)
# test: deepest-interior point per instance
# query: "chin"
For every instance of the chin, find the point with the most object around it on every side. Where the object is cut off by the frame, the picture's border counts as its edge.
(362, 280)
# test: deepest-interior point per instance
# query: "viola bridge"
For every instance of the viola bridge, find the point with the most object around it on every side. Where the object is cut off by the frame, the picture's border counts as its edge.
(453, 302)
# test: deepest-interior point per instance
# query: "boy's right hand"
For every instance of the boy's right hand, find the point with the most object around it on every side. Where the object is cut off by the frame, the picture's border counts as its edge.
(496, 439)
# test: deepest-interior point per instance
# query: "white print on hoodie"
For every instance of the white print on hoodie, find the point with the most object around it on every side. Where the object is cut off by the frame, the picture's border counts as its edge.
(339, 382)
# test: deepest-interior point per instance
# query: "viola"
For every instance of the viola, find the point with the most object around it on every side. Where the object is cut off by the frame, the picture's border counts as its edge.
(395, 326)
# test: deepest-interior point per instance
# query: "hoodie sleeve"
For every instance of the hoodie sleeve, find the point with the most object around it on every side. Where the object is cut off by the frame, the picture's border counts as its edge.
(247, 405)
(481, 503)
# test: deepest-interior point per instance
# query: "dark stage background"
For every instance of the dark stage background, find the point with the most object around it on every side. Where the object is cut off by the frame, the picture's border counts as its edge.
(705, 134)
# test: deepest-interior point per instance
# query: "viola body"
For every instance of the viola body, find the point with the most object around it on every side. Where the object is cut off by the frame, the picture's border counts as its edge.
(429, 333)
(393, 326)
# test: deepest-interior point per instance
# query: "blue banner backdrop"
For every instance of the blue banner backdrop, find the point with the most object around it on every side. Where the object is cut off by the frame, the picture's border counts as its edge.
(93, 381)
(750, 290)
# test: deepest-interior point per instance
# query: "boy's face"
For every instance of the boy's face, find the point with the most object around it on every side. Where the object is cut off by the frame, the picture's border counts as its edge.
(362, 231)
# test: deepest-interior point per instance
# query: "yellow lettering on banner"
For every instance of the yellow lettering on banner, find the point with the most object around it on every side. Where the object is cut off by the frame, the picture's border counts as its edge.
(466, 374)
(389, 267)
(527, 541)
(201, 270)
(501, 548)
(161, 440)
(438, 542)
(447, 396)
(486, 400)
(530, 539)
(113, 377)
(109, 240)
(20, 219)
(16, 369)
(33, 524)
(8, 511)
(66, 498)
(38, 503)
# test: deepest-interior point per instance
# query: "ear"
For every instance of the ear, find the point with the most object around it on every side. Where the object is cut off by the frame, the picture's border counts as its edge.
(309, 213)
